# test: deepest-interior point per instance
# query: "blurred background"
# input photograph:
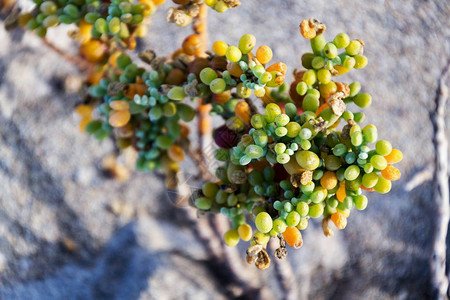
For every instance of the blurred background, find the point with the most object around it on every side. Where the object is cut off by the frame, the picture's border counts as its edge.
(70, 231)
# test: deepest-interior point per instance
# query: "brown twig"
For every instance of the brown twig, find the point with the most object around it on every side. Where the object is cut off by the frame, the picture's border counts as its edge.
(204, 125)
(200, 27)
(285, 275)
(203, 168)
(204, 120)
(439, 278)
(227, 260)
(419, 178)
(204, 232)
(80, 63)
(253, 108)
(248, 285)
(224, 262)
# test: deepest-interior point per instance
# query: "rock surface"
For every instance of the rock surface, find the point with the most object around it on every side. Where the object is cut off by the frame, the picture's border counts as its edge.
(60, 239)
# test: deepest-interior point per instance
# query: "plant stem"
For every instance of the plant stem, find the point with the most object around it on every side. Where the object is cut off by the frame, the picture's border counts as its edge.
(253, 108)
(226, 261)
(81, 64)
(250, 286)
(285, 275)
(204, 128)
(218, 261)
(204, 121)
(200, 26)
(196, 157)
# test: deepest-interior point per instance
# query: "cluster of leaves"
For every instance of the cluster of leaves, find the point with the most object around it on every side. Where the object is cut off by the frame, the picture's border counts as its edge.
(145, 109)
(119, 18)
(295, 162)
(138, 108)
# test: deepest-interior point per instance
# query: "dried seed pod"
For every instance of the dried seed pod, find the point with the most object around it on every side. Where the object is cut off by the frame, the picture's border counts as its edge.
(280, 253)
(262, 260)
(147, 56)
(306, 177)
(232, 3)
(303, 178)
(182, 62)
(116, 87)
(184, 131)
(250, 259)
(306, 30)
(343, 88)
(179, 17)
(130, 42)
(114, 169)
(317, 25)
(252, 251)
(169, 15)
(191, 89)
(327, 231)
(320, 124)
(337, 105)
(193, 10)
